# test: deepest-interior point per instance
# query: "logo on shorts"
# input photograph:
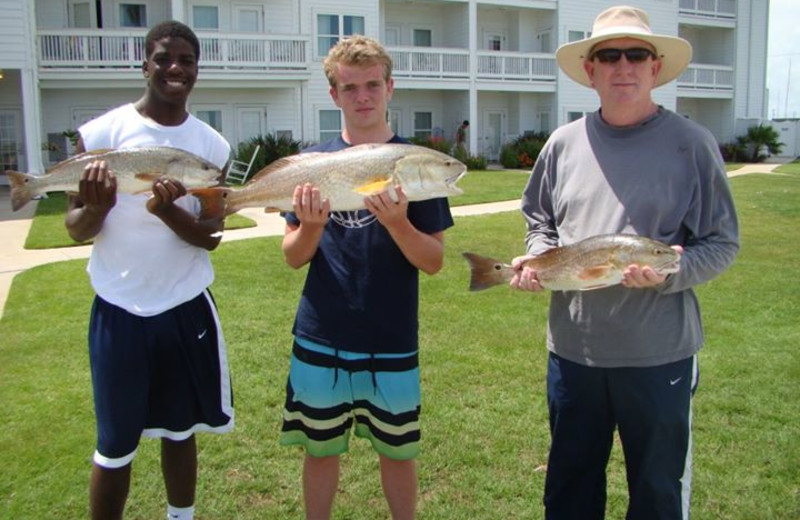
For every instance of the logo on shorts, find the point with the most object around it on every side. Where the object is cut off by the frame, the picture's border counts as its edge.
(202, 334)
(673, 382)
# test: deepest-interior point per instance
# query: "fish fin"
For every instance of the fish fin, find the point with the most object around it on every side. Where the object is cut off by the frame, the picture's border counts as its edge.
(279, 164)
(485, 272)
(213, 202)
(270, 209)
(595, 271)
(148, 176)
(21, 192)
(374, 187)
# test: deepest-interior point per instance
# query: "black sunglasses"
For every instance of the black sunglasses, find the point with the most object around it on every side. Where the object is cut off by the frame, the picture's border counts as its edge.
(633, 55)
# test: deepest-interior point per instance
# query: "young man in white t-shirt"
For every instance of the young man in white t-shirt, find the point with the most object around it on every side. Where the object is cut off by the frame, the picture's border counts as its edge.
(157, 353)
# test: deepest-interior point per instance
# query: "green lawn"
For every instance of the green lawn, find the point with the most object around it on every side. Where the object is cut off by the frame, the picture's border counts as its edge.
(483, 367)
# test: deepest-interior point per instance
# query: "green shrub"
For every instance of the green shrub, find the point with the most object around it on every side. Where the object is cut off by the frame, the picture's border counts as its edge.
(272, 149)
(473, 162)
(523, 151)
(438, 144)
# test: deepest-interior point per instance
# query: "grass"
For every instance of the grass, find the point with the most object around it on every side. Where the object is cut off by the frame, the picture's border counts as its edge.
(483, 367)
(47, 230)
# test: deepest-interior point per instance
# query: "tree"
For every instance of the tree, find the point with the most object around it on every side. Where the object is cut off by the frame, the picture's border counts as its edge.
(758, 137)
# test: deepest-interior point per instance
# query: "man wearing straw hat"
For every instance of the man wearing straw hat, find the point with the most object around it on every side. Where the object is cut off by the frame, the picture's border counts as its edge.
(625, 357)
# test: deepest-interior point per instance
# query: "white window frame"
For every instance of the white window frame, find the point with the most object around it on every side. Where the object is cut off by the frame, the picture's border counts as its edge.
(206, 5)
(422, 133)
(196, 109)
(118, 14)
(415, 28)
(327, 135)
(319, 53)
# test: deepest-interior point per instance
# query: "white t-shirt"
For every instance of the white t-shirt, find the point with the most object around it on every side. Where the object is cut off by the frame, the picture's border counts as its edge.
(137, 262)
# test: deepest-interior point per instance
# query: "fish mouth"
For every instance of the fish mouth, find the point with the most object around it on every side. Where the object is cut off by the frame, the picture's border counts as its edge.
(668, 268)
(453, 179)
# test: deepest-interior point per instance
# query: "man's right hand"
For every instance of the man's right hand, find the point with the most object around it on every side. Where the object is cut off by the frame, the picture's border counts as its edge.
(97, 188)
(309, 207)
(524, 278)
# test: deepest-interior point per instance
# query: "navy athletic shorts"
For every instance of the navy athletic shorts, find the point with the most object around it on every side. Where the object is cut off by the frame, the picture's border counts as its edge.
(160, 376)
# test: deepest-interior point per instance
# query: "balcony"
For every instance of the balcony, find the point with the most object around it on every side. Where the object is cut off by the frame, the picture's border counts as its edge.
(706, 78)
(709, 9)
(432, 63)
(110, 50)
(429, 63)
(516, 66)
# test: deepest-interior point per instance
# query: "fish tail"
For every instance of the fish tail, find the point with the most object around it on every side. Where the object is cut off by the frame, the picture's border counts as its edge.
(213, 202)
(485, 272)
(21, 192)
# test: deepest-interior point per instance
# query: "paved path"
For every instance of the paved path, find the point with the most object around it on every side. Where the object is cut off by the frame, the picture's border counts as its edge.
(14, 227)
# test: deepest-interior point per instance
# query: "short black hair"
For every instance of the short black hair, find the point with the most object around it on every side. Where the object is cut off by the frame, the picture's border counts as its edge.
(465, 123)
(171, 29)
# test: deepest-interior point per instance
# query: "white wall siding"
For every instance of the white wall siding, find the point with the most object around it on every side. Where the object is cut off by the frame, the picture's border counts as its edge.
(51, 14)
(751, 65)
(15, 36)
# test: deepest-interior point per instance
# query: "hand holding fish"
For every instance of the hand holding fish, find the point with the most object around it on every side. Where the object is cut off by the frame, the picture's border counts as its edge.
(524, 277)
(97, 188)
(593, 263)
(309, 206)
(165, 193)
(389, 210)
(643, 276)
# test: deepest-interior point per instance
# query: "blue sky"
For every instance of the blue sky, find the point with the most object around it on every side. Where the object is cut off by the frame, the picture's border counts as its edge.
(783, 56)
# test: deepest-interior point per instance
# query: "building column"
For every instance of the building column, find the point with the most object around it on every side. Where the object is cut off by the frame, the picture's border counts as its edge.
(474, 123)
(178, 13)
(32, 120)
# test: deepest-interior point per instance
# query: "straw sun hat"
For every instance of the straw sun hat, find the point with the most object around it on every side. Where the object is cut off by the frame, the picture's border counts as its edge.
(620, 22)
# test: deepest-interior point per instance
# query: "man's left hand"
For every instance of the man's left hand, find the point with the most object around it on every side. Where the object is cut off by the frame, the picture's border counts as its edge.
(387, 211)
(641, 277)
(165, 193)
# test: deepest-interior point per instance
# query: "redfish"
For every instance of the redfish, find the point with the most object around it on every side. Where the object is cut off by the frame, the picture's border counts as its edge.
(134, 168)
(344, 178)
(592, 263)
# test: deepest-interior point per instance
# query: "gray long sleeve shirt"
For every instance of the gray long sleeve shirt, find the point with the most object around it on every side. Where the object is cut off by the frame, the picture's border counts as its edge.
(664, 179)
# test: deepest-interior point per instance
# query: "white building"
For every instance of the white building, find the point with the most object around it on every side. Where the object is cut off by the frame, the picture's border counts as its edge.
(489, 61)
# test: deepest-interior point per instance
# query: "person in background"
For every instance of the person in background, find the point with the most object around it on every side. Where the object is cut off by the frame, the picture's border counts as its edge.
(461, 136)
(354, 360)
(625, 357)
(157, 353)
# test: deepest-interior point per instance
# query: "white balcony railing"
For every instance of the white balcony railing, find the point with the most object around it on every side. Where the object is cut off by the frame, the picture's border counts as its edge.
(421, 63)
(416, 62)
(515, 66)
(707, 78)
(110, 50)
(715, 9)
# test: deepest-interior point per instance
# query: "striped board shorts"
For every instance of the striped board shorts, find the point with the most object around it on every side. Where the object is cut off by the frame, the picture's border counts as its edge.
(159, 376)
(330, 390)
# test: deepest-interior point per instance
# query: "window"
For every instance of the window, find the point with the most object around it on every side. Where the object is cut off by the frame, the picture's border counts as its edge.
(330, 124)
(205, 17)
(574, 36)
(423, 38)
(211, 117)
(574, 116)
(423, 125)
(331, 28)
(132, 15)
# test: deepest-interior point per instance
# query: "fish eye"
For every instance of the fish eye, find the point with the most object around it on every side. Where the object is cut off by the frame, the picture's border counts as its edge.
(497, 267)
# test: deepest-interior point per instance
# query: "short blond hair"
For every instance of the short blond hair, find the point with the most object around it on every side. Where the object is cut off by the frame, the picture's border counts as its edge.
(359, 51)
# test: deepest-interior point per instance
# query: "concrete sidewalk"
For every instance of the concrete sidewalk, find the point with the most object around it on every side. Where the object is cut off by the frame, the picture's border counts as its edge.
(14, 227)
